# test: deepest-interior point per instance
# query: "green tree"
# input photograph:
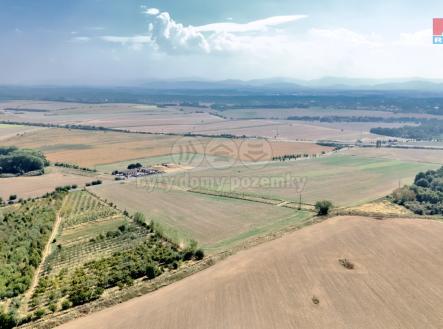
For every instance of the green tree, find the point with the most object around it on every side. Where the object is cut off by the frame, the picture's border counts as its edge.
(323, 207)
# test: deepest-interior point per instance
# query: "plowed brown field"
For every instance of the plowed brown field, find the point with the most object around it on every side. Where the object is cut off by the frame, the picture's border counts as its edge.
(397, 282)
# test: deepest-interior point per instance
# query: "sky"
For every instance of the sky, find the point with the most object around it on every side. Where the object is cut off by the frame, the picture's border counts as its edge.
(121, 42)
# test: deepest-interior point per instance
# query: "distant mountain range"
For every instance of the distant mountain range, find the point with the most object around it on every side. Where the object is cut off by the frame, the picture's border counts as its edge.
(285, 84)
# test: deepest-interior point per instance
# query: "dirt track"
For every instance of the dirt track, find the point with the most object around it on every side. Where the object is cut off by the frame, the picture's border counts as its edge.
(397, 283)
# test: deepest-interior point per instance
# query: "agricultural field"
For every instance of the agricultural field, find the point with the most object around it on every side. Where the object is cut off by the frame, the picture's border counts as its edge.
(267, 113)
(215, 222)
(131, 116)
(77, 248)
(281, 129)
(297, 281)
(95, 148)
(35, 186)
(346, 180)
(10, 131)
(223, 194)
(182, 120)
(414, 155)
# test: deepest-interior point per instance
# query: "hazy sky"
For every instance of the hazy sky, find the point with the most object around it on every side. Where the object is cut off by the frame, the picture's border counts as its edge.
(122, 41)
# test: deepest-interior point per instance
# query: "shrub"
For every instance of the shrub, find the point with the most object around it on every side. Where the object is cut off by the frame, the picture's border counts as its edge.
(7, 320)
(39, 313)
(403, 194)
(315, 300)
(12, 197)
(323, 207)
(151, 271)
(346, 263)
(199, 254)
(135, 165)
(66, 304)
(52, 307)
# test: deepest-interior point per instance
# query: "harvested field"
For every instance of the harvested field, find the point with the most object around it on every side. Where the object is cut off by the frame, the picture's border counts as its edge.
(92, 148)
(35, 186)
(10, 131)
(282, 129)
(180, 120)
(278, 113)
(272, 285)
(104, 115)
(212, 221)
(88, 148)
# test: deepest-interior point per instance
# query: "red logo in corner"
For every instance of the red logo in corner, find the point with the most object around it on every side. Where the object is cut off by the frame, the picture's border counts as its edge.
(438, 27)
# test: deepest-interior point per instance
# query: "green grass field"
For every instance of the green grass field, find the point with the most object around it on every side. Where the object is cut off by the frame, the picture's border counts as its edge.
(344, 179)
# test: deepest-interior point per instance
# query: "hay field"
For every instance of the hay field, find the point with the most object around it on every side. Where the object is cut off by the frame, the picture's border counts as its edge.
(179, 120)
(35, 186)
(92, 148)
(397, 282)
(89, 148)
(11, 131)
(344, 179)
(212, 221)
(419, 155)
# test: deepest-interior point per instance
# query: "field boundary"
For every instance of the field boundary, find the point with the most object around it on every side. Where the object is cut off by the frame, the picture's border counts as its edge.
(259, 199)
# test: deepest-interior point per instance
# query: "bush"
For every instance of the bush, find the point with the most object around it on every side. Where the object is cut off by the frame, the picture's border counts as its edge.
(199, 254)
(66, 304)
(39, 313)
(52, 307)
(7, 321)
(151, 271)
(346, 263)
(135, 165)
(12, 197)
(323, 207)
(403, 195)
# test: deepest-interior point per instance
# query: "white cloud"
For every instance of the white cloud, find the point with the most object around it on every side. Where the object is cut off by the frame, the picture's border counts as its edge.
(126, 40)
(343, 35)
(172, 37)
(136, 42)
(259, 25)
(152, 11)
(81, 39)
(267, 48)
(419, 38)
